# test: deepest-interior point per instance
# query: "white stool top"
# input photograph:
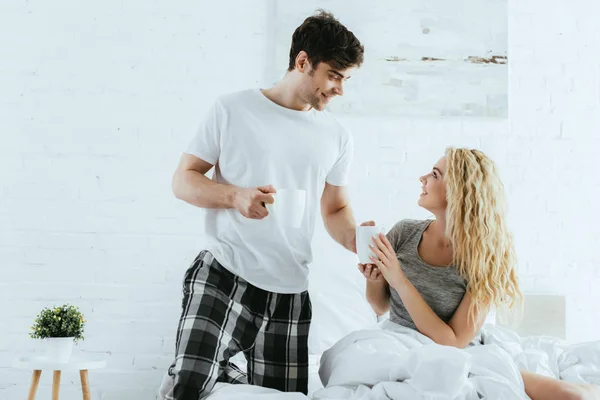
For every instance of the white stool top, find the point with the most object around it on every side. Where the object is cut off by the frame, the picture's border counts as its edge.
(77, 362)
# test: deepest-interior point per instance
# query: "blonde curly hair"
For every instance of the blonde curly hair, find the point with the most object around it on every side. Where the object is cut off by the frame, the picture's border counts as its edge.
(484, 253)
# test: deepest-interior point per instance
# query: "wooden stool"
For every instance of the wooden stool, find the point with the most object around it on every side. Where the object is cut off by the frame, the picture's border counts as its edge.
(81, 363)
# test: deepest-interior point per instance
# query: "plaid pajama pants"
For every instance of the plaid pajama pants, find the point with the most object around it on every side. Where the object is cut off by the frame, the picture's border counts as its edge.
(222, 314)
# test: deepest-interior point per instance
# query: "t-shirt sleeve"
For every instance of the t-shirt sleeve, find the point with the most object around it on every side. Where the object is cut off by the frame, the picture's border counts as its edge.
(395, 236)
(206, 145)
(338, 175)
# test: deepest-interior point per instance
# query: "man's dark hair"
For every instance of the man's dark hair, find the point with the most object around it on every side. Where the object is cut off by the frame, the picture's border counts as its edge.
(325, 39)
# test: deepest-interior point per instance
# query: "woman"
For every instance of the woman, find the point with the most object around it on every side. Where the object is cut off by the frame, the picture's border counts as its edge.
(441, 276)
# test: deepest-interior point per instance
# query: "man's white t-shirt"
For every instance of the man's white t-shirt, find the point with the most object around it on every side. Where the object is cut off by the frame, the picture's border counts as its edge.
(253, 142)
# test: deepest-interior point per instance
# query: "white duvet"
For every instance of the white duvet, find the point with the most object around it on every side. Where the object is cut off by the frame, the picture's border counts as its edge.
(398, 363)
(393, 362)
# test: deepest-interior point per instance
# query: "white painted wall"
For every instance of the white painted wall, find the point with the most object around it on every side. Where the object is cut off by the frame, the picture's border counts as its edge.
(98, 100)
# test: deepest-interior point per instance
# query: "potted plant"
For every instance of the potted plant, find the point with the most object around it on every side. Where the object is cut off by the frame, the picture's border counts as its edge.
(59, 327)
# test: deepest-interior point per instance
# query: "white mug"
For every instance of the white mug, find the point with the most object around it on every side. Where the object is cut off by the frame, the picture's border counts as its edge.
(288, 207)
(364, 238)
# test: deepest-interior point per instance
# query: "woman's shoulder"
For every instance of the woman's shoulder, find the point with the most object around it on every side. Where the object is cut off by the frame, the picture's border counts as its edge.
(408, 224)
(404, 230)
(415, 223)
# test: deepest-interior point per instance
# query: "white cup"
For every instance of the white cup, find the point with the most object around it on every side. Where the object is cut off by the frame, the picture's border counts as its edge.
(364, 238)
(288, 207)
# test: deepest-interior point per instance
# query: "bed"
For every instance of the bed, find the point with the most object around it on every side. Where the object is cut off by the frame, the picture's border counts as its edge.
(385, 361)
(356, 355)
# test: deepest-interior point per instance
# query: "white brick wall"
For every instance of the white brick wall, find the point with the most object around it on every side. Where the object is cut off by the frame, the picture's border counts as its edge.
(98, 100)
(554, 102)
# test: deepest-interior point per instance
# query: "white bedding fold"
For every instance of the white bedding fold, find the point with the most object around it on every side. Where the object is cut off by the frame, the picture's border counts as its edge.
(393, 362)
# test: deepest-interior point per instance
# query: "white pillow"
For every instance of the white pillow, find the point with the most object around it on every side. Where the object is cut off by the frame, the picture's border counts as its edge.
(337, 292)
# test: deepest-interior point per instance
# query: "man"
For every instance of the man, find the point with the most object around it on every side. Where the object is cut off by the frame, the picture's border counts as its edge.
(247, 291)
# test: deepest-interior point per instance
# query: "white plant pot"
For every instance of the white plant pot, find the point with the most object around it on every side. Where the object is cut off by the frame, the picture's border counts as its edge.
(58, 349)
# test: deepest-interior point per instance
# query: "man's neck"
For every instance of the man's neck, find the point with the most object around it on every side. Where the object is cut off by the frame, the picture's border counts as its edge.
(285, 94)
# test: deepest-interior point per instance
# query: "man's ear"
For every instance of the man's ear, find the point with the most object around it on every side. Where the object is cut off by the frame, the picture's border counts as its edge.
(302, 62)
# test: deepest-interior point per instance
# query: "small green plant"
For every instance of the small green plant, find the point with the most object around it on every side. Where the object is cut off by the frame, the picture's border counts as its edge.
(64, 321)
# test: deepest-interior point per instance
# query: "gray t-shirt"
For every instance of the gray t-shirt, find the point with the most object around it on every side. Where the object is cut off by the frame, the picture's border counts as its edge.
(441, 287)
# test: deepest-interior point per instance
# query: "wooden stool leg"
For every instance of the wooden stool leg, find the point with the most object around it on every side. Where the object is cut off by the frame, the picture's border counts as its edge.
(55, 385)
(85, 384)
(35, 381)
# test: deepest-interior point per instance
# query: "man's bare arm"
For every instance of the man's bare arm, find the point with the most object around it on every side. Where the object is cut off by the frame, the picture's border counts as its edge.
(191, 185)
(337, 216)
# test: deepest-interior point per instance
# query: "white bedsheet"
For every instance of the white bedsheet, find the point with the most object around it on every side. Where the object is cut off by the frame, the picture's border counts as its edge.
(223, 391)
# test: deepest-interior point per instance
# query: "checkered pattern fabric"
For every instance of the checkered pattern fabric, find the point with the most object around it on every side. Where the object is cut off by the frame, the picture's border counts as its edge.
(222, 315)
